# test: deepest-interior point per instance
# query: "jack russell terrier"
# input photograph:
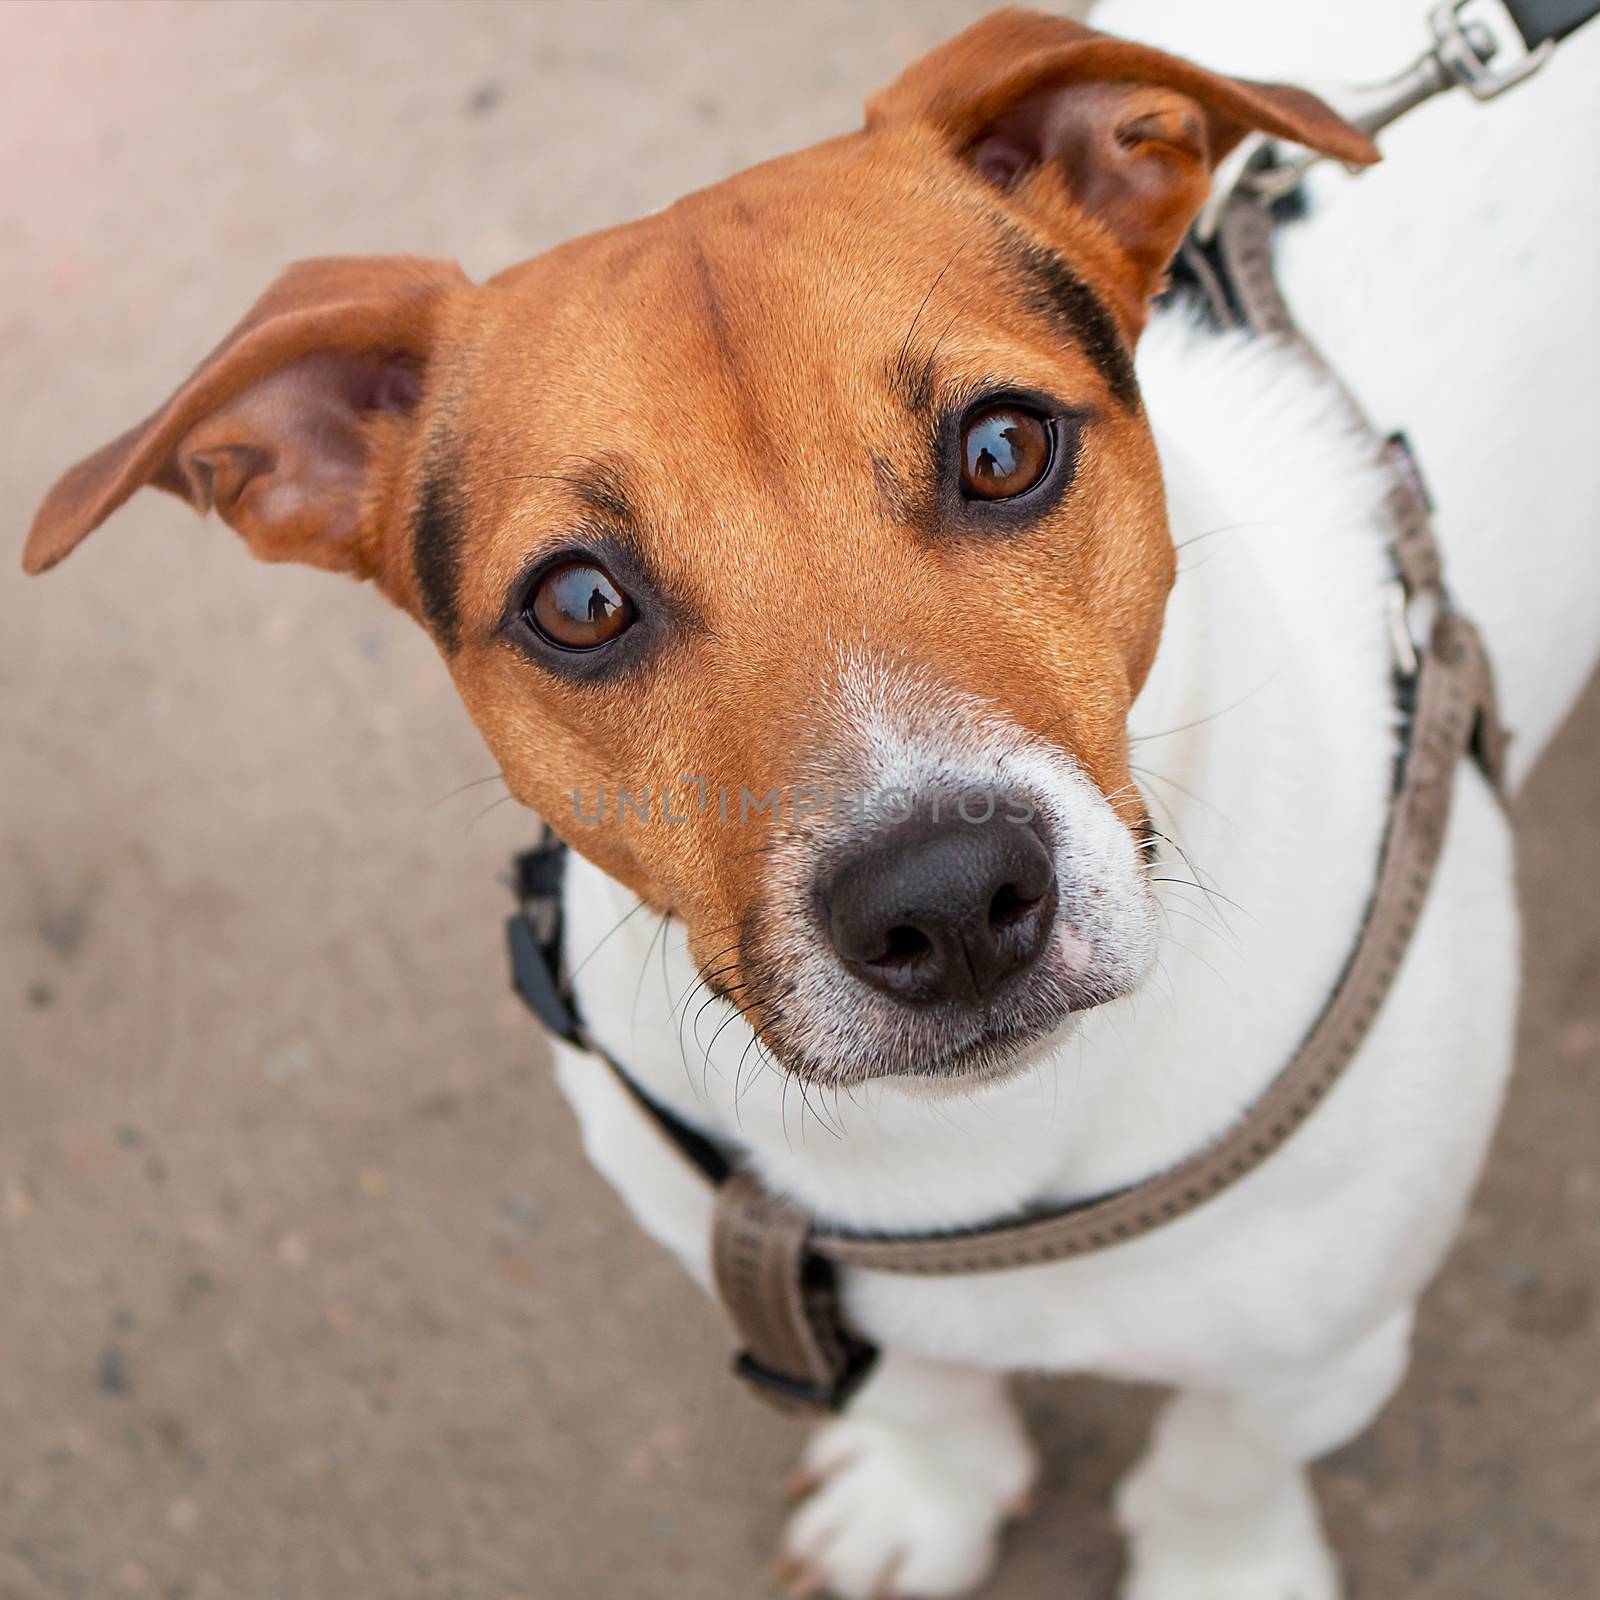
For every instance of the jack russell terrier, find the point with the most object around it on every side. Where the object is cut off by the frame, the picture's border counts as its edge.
(842, 477)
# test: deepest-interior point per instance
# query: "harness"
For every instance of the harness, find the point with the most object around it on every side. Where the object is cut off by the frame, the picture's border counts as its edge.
(776, 1269)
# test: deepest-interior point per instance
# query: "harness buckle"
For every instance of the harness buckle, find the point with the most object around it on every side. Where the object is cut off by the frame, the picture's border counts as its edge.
(798, 1397)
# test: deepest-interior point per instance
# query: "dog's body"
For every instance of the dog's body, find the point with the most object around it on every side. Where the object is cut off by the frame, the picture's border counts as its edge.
(385, 419)
(1286, 1303)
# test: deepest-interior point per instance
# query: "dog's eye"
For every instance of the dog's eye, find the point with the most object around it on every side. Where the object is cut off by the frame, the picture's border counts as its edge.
(1005, 451)
(576, 606)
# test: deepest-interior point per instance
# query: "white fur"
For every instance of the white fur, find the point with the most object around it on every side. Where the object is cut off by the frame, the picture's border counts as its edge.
(1453, 289)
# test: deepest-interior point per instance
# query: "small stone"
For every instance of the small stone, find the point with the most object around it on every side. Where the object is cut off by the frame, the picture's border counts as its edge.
(87, 1152)
(133, 1577)
(172, 1433)
(288, 1062)
(517, 1271)
(519, 1214)
(183, 1515)
(1517, 1276)
(484, 99)
(293, 1250)
(111, 1375)
(373, 1183)
(79, 1440)
(40, 995)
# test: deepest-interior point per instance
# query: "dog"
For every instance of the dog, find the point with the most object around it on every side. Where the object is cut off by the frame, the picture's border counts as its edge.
(878, 469)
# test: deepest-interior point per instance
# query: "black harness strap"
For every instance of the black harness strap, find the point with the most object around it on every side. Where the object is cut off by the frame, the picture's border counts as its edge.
(1541, 21)
(539, 976)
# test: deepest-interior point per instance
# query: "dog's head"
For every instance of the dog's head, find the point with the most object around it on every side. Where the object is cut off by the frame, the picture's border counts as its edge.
(799, 551)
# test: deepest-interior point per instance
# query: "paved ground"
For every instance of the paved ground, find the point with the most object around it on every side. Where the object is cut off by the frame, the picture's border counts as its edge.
(304, 1288)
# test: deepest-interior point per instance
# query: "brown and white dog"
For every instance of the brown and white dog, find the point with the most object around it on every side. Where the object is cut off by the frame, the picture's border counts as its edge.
(838, 480)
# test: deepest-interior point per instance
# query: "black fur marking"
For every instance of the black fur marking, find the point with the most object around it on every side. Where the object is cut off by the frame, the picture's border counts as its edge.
(717, 320)
(436, 540)
(1056, 292)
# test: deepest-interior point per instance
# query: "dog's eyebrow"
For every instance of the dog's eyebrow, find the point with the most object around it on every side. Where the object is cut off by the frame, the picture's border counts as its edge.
(603, 487)
(911, 383)
(436, 540)
(1055, 292)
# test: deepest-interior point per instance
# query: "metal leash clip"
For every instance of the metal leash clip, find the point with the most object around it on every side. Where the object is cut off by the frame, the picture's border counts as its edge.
(1459, 51)
(1459, 58)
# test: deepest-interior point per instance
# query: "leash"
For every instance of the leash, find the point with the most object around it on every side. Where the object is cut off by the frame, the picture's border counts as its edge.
(775, 1268)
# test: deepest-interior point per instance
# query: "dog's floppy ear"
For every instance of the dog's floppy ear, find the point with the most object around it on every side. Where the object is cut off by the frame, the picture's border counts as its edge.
(276, 428)
(1049, 111)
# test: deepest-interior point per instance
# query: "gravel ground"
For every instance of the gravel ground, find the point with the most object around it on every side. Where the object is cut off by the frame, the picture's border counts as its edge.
(307, 1291)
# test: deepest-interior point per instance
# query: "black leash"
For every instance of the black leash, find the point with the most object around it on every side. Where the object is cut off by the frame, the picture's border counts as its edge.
(1550, 21)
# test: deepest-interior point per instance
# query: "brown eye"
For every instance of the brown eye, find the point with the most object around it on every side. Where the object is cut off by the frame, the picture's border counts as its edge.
(1005, 451)
(576, 605)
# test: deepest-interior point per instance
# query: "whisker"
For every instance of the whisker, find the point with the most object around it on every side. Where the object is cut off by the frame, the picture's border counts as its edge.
(626, 917)
(493, 804)
(476, 783)
(1200, 722)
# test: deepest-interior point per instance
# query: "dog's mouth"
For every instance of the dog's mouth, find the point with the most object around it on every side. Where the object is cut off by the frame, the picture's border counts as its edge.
(843, 1033)
(965, 1053)
(998, 1049)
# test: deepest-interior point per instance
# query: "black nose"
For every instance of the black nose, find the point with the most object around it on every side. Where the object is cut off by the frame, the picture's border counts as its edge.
(943, 910)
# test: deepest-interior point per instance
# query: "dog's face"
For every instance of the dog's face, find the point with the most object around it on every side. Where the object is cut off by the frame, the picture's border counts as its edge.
(799, 551)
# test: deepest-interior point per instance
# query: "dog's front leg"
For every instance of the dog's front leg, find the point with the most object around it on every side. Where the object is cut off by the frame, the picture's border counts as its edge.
(907, 1492)
(1220, 1509)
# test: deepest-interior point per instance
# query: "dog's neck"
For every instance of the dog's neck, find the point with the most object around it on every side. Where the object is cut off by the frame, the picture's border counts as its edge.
(1264, 742)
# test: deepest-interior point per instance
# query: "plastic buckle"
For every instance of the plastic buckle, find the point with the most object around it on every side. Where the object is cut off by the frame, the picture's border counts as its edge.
(1458, 48)
(804, 1397)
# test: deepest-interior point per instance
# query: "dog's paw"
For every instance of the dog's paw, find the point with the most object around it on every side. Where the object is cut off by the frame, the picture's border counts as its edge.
(892, 1512)
(1181, 1549)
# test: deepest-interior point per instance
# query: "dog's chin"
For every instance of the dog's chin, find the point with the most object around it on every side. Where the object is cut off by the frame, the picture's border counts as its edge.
(995, 1057)
(964, 1059)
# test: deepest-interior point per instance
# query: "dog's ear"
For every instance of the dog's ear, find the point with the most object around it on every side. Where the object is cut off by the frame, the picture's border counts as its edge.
(1051, 112)
(278, 426)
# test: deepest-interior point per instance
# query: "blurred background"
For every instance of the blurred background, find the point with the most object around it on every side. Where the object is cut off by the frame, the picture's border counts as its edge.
(305, 1289)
